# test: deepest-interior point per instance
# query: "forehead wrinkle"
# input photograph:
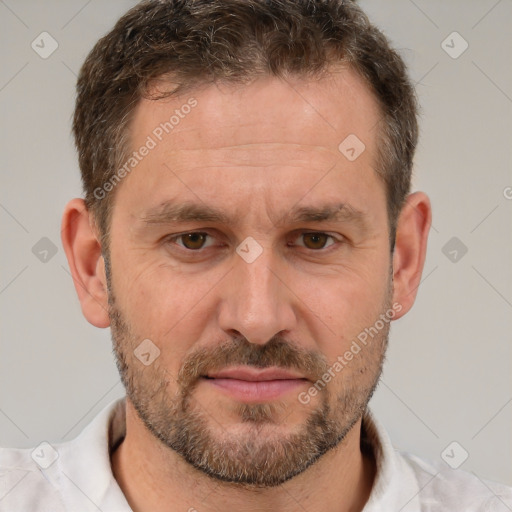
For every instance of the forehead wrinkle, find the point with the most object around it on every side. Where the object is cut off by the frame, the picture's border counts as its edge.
(263, 153)
(241, 166)
(197, 160)
(258, 146)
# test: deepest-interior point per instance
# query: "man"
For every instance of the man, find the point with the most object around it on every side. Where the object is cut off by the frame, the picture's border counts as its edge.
(248, 234)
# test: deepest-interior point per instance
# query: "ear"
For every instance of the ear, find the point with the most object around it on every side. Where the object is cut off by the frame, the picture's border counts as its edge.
(410, 249)
(85, 260)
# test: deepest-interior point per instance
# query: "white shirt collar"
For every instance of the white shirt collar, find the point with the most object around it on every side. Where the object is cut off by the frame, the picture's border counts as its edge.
(81, 477)
(92, 449)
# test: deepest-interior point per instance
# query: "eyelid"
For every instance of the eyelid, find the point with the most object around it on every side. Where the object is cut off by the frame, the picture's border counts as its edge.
(337, 238)
(334, 236)
(177, 236)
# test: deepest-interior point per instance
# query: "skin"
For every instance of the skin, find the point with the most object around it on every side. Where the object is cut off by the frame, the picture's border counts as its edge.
(255, 152)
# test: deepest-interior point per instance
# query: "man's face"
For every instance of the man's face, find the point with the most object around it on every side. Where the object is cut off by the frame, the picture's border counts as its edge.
(223, 255)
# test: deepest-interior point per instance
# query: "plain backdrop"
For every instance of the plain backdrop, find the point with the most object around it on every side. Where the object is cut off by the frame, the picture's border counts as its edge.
(448, 373)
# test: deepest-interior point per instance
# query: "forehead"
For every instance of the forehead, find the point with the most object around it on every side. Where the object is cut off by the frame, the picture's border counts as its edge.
(321, 111)
(270, 139)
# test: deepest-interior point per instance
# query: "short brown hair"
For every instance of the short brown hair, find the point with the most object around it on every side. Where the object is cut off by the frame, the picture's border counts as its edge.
(202, 41)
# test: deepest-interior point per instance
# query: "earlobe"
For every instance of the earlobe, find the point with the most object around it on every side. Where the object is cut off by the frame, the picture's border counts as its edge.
(86, 264)
(410, 249)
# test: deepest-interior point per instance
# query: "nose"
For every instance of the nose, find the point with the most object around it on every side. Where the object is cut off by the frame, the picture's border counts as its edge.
(256, 301)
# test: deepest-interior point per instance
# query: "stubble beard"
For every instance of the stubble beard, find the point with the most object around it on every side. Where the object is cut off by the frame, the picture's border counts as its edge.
(260, 452)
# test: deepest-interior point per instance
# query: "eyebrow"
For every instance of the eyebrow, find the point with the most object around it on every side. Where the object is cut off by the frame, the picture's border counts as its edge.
(170, 212)
(340, 212)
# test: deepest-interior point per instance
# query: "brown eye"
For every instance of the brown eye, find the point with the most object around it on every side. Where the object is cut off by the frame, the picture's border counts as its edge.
(193, 241)
(315, 240)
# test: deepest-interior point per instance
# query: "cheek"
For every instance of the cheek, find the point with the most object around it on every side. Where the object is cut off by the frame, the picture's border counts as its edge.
(168, 307)
(345, 305)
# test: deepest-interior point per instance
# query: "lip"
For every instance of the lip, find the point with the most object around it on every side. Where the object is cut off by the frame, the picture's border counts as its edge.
(253, 385)
(254, 374)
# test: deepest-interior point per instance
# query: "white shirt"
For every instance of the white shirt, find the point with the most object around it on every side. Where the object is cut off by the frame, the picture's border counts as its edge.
(76, 476)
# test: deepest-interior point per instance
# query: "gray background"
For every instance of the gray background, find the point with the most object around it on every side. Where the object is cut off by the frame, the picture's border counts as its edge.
(449, 369)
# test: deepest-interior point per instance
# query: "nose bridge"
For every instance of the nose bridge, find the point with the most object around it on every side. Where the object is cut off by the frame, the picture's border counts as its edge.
(256, 304)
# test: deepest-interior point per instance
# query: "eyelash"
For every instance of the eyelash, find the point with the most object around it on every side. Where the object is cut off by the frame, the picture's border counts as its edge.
(172, 239)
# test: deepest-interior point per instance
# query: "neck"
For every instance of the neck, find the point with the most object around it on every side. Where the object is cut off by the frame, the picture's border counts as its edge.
(155, 478)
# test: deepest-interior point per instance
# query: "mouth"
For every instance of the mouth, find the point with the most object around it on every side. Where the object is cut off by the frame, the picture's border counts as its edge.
(255, 385)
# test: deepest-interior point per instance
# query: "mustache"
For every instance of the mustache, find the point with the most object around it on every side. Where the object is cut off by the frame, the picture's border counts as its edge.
(277, 352)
